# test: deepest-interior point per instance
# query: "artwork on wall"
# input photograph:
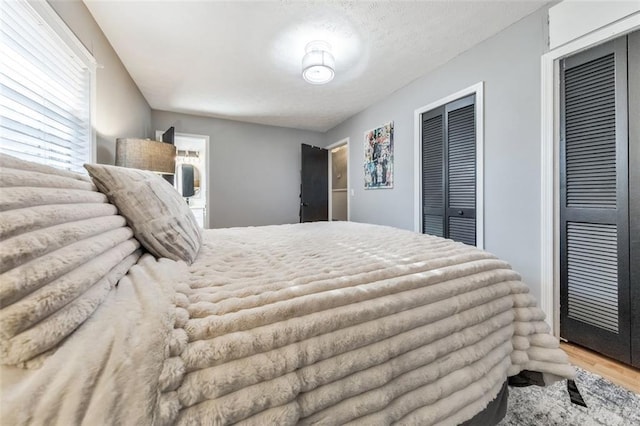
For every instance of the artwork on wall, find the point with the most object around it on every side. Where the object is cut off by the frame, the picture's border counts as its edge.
(378, 157)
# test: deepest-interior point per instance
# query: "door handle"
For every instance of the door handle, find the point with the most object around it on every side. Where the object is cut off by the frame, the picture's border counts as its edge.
(304, 204)
(460, 212)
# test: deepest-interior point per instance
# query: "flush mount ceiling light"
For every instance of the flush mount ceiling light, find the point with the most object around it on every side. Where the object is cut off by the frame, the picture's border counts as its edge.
(318, 63)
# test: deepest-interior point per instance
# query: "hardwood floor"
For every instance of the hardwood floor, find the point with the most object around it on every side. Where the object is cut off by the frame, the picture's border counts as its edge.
(618, 373)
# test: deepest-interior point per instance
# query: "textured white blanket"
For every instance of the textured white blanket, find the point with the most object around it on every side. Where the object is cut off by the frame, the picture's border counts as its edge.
(295, 324)
(336, 323)
(110, 371)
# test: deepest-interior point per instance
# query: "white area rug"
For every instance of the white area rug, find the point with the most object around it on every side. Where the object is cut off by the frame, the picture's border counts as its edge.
(607, 404)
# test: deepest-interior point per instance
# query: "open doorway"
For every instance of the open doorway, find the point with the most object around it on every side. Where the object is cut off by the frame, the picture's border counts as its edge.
(192, 173)
(339, 180)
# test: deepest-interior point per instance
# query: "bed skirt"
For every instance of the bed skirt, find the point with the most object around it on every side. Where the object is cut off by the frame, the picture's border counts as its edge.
(495, 411)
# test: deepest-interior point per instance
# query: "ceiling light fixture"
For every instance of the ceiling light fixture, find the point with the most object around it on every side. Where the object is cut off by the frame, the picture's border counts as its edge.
(318, 63)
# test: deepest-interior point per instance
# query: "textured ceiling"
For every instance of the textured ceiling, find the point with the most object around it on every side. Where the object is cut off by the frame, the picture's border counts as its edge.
(241, 60)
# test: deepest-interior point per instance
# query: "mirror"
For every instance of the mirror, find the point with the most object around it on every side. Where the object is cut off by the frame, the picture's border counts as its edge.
(188, 180)
(196, 182)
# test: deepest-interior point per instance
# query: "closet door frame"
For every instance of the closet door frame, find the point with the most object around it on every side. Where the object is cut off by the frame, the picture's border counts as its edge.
(634, 192)
(613, 344)
(477, 90)
(550, 155)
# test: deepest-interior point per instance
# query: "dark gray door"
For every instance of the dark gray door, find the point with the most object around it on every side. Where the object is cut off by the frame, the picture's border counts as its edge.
(594, 209)
(449, 171)
(169, 136)
(314, 184)
(634, 191)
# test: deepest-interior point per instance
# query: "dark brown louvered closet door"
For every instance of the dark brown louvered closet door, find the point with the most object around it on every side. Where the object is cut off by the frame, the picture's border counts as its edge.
(449, 171)
(594, 196)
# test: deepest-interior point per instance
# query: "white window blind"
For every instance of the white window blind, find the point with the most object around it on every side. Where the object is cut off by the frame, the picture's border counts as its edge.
(45, 88)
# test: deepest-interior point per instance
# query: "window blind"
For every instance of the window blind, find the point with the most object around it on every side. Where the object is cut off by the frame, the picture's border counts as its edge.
(45, 89)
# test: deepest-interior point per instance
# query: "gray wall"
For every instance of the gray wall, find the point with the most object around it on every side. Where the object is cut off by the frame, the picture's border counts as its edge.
(254, 169)
(509, 64)
(121, 110)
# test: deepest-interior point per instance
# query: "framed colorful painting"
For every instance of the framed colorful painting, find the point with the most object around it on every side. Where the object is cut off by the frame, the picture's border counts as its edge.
(378, 157)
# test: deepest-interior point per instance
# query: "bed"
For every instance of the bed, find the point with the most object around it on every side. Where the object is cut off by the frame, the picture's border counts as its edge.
(117, 309)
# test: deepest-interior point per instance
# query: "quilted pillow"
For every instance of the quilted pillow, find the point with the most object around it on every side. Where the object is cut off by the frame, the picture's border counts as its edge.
(63, 247)
(159, 216)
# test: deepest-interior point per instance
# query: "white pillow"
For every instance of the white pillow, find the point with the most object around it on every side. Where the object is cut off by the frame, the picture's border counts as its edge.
(161, 219)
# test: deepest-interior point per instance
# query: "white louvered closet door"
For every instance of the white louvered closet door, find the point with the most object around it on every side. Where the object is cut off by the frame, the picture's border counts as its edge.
(594, 190)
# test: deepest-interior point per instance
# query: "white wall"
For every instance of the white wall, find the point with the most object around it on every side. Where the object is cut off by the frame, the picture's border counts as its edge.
(509, 64)
(254, 169)
(121, 110)
(564, 27)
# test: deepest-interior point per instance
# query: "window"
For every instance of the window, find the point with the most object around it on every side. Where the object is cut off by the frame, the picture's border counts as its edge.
(46, 80)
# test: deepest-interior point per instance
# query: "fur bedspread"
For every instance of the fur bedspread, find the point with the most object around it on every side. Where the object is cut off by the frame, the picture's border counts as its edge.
(317, 323)
(342, 322)
(110, 371)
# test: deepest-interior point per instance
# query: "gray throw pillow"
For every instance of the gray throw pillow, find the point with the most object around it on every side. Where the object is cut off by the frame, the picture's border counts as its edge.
(160, 218)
